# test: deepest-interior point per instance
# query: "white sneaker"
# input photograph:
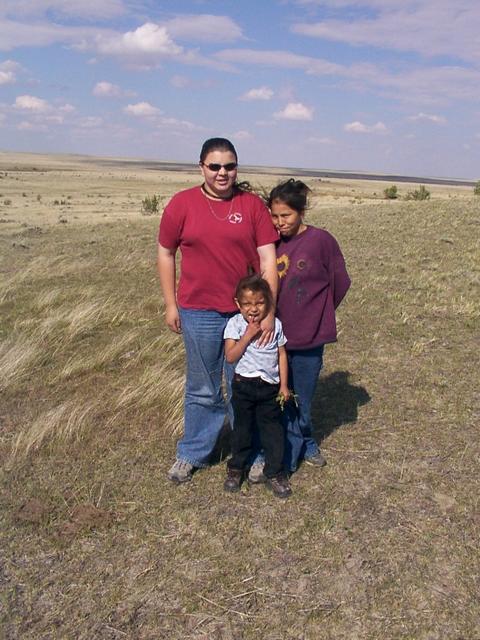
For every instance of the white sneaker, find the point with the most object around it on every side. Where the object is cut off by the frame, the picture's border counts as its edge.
(181, 471)
(255, 475)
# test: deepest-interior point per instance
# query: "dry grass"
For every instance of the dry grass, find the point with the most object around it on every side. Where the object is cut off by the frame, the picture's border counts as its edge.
(381, 544)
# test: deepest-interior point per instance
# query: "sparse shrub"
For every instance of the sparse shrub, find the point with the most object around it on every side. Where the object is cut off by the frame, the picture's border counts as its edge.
(56, 203)
(476, 188)
(24, 195)
(7, 201)
(39, 197)
(150, 205)
(391, 193)
(419, 194)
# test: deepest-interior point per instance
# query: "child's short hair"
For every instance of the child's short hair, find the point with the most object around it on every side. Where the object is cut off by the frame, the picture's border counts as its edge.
(257, 284)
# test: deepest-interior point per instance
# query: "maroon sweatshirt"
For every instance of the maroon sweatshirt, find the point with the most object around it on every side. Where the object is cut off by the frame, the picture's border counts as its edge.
(313, 282)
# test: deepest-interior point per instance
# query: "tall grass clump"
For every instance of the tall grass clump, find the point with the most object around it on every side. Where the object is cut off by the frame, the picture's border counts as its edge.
(68, 420)
(476, 188)
(419, 194)
(391, 193)
(151, 205)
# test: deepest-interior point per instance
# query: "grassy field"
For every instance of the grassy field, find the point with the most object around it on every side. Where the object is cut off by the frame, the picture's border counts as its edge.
(97, 544)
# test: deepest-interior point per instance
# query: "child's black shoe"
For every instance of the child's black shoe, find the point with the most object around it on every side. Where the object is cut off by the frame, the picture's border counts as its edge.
(233, 480)
(280, 486)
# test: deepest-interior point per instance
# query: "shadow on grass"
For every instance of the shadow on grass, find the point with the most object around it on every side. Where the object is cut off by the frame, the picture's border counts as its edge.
(335, 403)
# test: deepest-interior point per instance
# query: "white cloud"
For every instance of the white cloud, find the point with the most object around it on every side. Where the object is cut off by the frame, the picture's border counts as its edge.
(262, 93)
(31, 126)
(31, 103)
(142, 110)
(294, 111)
(429, 27)
(242, 135)
(107, 90)
(7, 71)
(66, 108)
(174, 123)
(150, 39)
(179, 82)
(7, 77)
(429, 117)
(90, 122)
(282, 59)
(203, 28)
(359, 127)
(89, 9)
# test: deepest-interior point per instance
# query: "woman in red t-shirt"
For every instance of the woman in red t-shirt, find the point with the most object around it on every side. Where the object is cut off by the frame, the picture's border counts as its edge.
(223, 233)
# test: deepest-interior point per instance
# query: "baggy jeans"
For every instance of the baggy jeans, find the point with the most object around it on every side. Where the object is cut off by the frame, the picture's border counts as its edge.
(205, 405)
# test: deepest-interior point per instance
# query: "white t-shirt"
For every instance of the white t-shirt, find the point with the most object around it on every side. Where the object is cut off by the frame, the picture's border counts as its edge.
(257, 361)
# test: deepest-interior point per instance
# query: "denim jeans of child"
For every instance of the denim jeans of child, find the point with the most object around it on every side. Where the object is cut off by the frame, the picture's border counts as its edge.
(304, 367)
(205, 405)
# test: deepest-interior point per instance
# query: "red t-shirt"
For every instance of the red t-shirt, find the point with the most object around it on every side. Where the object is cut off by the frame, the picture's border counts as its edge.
(218, 242)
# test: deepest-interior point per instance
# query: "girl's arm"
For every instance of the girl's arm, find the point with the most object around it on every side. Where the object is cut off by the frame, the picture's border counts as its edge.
(166, 272)
(234, 349)
(339, 278)
(283, 370)
(268, 269)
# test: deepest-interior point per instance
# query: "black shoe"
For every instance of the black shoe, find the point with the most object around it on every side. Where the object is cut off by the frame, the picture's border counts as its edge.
(280, 486)
(233, 480)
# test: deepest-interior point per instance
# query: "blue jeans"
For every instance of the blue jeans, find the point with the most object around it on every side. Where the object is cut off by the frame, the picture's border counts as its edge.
(304, 367)
(205, 406)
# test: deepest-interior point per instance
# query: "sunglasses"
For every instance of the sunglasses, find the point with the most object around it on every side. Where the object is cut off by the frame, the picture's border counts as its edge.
(214, 166)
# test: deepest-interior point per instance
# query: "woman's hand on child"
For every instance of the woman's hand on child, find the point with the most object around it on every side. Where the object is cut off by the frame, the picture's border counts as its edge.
(267, 325)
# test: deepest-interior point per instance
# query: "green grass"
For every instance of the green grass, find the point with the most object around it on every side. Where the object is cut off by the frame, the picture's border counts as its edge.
(382, 543)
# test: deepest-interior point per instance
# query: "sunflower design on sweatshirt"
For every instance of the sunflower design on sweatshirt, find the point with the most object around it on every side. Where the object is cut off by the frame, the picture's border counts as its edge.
(283, 262)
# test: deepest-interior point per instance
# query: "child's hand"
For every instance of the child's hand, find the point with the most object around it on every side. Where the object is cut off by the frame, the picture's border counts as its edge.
(285, 393)
(253, 329)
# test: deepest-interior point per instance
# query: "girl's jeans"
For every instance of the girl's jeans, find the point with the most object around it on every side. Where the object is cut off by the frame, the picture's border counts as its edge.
(205, 406)
(303, 370)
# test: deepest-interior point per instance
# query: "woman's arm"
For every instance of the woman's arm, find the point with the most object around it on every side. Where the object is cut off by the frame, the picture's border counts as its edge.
(167, 273)
(268, 270)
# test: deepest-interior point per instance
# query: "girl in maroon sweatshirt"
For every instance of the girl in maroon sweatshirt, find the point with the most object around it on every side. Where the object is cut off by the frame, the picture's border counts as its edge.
(312, 282)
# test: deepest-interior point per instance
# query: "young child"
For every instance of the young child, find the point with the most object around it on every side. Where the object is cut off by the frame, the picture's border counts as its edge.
(313, 282)
(260, 374)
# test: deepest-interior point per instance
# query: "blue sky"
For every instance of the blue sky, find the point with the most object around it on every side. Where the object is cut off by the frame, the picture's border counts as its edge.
(372, 85)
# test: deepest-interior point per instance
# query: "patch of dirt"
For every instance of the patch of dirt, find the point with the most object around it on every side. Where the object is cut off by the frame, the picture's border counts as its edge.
(32, 511)
(84, 517)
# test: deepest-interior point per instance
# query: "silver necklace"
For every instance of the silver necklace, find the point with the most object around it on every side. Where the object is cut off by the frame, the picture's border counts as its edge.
(213, 212)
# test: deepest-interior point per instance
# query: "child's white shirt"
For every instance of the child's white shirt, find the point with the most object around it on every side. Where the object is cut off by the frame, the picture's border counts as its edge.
(257, 361)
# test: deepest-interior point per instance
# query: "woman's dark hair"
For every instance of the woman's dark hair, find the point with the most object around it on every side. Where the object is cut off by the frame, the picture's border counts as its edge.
(216, 144)
(222, 144)
(256, 284)
(293, 193)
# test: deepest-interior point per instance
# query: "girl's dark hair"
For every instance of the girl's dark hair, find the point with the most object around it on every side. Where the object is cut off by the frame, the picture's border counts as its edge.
(216, 144)
(256, 284)
(293, 193)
